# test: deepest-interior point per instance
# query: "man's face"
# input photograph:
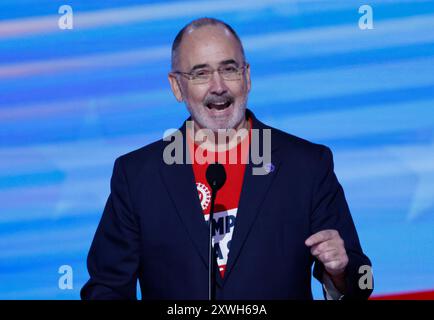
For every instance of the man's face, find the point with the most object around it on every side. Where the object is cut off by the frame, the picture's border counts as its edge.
(219, 103)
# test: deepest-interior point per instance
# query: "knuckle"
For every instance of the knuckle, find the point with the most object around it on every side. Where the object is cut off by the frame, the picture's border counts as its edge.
(331, 232)
(333, 265)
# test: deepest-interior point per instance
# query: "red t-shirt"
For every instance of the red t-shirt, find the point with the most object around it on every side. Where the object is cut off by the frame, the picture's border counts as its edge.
(226, 203)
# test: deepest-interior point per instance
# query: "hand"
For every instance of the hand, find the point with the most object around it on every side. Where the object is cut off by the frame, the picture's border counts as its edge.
(328, 247)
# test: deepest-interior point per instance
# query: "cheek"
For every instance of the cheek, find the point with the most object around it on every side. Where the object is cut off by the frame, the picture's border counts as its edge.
(196, 94)
(238, 91)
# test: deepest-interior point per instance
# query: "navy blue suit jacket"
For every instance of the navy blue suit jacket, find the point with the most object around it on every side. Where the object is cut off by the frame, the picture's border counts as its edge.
(153, 228)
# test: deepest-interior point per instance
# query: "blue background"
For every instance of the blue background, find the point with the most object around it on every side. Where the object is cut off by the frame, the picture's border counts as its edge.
(71, 101)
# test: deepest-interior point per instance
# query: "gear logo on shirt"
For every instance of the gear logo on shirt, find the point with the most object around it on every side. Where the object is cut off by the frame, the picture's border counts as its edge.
(204, 195)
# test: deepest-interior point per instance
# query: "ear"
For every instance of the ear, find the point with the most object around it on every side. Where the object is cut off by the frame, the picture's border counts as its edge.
(248, 82)
(176, 87)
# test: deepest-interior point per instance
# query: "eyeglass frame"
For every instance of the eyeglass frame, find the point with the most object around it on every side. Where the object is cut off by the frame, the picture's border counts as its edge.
(188, 75)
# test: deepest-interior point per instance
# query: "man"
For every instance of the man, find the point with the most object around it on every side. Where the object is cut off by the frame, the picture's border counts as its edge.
(269, 228)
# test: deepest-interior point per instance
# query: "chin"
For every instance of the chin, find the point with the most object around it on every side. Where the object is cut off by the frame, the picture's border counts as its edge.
(225, 119)
(230, 122)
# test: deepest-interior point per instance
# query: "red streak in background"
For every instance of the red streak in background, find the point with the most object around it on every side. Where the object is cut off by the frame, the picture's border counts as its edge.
(419, 295)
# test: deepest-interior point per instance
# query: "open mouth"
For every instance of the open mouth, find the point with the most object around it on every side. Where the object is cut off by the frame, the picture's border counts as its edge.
(219, 105)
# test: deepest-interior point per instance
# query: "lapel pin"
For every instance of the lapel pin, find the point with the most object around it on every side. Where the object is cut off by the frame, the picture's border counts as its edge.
(269, 167)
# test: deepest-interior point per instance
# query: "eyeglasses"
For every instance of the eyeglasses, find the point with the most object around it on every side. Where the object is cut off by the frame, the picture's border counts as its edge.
(201, 76)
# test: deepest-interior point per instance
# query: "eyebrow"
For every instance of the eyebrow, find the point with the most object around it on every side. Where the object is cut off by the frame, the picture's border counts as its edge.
(200, 66)
(205, 65)
(229, 61)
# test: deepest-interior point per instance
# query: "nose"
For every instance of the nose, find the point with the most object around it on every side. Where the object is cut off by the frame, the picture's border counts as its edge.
(217, 84)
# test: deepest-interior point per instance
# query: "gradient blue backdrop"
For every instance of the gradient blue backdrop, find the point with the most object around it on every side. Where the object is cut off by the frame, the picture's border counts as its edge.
(71, 101)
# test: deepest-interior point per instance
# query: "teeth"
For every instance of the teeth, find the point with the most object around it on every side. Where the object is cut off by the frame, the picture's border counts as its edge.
(218, 105)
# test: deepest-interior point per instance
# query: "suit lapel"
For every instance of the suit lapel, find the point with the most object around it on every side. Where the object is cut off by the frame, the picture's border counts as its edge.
(255, 188)
(181, 186)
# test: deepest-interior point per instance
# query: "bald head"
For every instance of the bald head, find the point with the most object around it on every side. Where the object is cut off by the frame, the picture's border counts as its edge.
(198, 24)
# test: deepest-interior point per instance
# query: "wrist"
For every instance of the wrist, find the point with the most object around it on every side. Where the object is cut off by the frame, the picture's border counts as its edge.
(338, 281)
